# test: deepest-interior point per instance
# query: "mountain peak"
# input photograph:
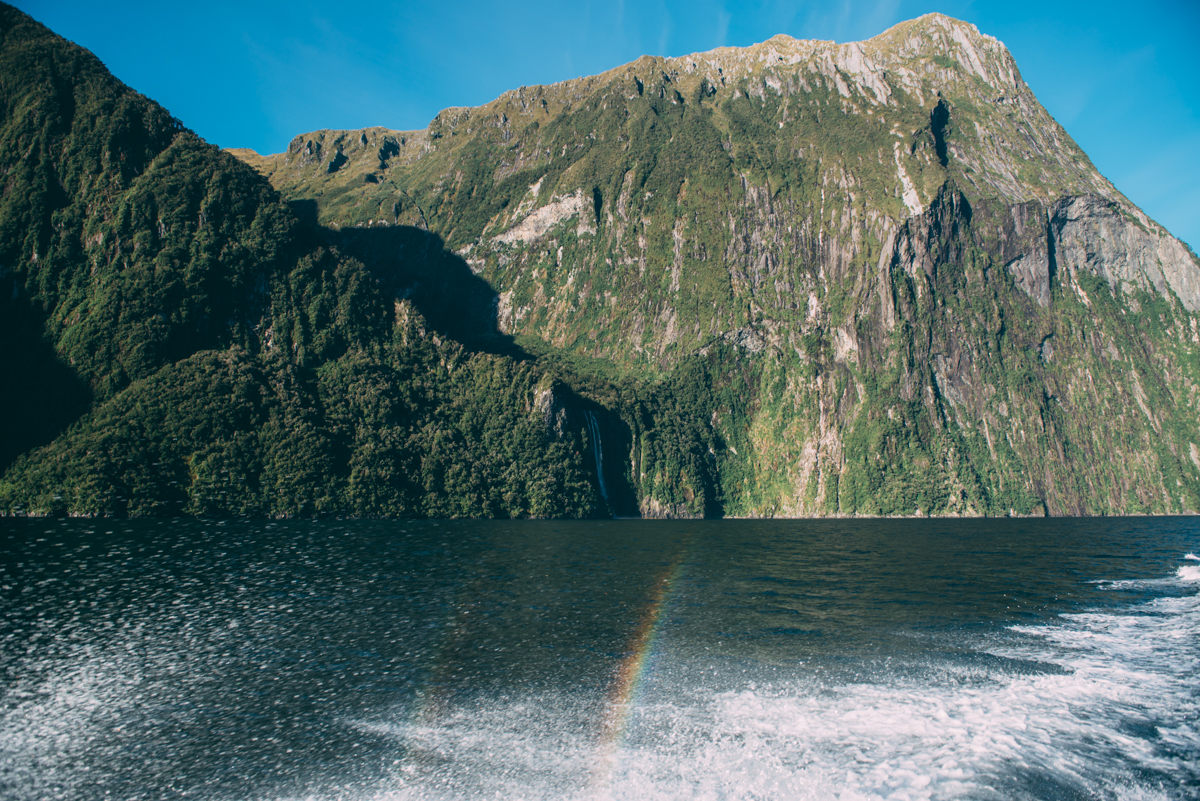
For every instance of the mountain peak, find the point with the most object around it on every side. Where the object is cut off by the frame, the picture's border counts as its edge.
(998, 140)
(904, 51)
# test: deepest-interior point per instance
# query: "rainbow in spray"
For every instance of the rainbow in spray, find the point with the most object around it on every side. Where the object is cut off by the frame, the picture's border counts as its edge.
(633, 669)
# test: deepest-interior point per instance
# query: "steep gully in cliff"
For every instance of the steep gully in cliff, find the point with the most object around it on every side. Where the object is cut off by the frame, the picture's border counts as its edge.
(597, 449)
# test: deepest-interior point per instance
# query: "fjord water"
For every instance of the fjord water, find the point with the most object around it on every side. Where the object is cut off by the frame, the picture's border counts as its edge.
(1035, 659)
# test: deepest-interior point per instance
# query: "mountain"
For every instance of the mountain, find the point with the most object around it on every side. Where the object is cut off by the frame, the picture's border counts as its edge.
(800, 278)
(177, 341)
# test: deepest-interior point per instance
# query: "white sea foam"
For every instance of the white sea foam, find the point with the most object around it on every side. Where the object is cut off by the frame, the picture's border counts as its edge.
(1188, 574)
(1098, 704)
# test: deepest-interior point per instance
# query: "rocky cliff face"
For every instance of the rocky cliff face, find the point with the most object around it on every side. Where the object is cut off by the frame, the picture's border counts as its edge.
(926, 297)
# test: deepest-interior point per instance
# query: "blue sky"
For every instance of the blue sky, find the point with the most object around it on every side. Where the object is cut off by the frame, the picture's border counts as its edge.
(1122, 78)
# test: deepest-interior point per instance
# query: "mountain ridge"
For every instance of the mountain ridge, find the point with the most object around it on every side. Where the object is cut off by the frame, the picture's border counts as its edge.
(870, 64)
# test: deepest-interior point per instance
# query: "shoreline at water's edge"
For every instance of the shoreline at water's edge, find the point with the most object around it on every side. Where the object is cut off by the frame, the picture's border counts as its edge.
(250, 519)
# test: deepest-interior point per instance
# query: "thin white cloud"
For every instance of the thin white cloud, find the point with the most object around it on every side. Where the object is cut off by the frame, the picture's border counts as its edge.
(884, 15)
(1166, 192)
(850, 20)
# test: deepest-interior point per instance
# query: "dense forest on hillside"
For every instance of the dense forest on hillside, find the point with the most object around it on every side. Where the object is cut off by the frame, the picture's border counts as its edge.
(176, 341)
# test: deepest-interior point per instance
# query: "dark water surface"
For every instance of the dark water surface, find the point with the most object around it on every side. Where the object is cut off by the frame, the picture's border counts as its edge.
(998, 659)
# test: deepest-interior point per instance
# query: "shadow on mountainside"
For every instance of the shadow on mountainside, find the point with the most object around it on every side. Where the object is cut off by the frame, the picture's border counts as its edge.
(414, 264)
(40, 396)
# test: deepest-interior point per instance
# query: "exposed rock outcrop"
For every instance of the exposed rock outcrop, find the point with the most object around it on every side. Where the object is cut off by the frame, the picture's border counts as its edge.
(1125, 249)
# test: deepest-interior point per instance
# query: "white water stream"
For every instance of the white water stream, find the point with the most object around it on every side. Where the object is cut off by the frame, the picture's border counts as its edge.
(594, 433)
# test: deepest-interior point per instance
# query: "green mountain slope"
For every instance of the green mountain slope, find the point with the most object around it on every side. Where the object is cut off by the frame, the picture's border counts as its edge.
(177, 341)
(926, 296)
(795, 279)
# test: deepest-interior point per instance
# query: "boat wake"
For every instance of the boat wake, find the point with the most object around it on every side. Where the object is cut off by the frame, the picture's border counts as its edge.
(1099, 704)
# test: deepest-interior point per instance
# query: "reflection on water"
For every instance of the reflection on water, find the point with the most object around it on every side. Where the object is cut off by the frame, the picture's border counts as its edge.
(614, 659)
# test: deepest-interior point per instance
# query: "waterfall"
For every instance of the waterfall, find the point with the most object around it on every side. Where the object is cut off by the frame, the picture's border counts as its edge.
(594, 431)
